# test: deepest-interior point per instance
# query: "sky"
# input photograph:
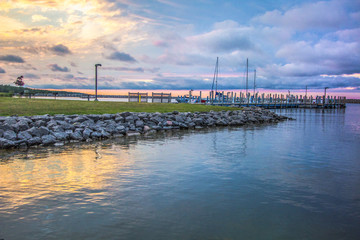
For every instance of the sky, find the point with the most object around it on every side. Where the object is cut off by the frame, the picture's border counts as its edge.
(173, 44)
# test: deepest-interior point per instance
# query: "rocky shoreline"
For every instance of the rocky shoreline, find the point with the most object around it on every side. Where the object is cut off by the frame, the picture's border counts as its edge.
(26, 131)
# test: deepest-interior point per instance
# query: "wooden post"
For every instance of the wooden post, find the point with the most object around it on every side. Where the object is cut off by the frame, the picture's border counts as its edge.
(189, 96)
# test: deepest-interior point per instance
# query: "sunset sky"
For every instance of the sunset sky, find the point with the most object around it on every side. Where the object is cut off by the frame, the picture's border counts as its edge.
(173, 44)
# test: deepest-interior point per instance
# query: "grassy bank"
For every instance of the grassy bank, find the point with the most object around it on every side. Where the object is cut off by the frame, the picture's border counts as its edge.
(29, 107)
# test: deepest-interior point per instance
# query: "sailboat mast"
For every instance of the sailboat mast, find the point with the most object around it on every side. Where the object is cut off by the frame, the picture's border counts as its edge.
(217, 72)
(254, 80)
(247, 75)
(215, 75)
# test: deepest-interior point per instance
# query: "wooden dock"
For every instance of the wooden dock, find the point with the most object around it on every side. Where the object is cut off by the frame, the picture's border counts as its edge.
(273, 101)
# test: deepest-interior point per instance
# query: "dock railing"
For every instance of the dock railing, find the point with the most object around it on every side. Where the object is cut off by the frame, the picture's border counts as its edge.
(161, 97)
(138, 97)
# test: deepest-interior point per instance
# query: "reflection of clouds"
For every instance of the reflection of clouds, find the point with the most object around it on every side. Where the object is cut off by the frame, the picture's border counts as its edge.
(32, 176)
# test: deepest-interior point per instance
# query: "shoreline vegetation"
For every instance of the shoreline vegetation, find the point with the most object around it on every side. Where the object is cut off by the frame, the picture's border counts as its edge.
(54, 122)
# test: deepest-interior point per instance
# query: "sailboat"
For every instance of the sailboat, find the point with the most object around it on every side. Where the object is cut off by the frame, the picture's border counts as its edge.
(217, 95)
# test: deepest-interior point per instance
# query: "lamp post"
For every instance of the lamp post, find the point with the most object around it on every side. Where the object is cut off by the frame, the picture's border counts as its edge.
(96, 65)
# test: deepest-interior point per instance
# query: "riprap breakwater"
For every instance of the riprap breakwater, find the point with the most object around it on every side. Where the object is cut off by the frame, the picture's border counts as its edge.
(26, 131)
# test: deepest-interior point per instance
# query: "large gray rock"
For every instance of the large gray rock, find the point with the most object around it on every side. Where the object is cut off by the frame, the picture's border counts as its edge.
(61, 136)
(121, 129)
(5, 126)
(94, 117)
(111, 129)
(183, 125)
(129, 119)
(34, 141)
(38, 132)
(60, 117)
(105, 134)
(39, 123)
(125, 114)
(22, 125)
(76, 136)
(10, 135)
(57, 128)
(96, 135)
(6, 143)
(10, 121)
(51, 124)
(87, 123)
(66, 125)
(80, 119)
(119, 119)
(24, 135)
(48, 139)
(139, 124)
(198, 121)
(45, 118)
(87, 133)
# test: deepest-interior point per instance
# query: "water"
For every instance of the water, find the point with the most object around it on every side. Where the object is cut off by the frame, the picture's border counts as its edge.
(293, 180)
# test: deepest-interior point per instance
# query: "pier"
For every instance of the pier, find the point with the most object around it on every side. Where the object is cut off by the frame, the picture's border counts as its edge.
(268, 101)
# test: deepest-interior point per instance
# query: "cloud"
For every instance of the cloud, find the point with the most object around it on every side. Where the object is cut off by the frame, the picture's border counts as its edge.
(223, 40)
(31, 76)
(73, 64)
(11, 58)
(324, 57)
(60, 50)
(315, 15)
(69, 76)
(38, 18)
(121, 56)
(160, 43)
(2, 70)
(57, 68)
(124, 69)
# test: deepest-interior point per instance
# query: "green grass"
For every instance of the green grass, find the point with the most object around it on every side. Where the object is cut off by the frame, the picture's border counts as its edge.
(3, 94)
(30, 107)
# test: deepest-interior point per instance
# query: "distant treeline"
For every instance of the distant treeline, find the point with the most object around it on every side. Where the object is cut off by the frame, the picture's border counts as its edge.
(352, 100)
(11, 90)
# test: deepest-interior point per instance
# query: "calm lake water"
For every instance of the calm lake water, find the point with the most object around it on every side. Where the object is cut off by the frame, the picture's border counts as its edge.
(293, 180)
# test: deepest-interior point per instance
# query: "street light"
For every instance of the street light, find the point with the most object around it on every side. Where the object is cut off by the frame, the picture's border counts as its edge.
(96, 65)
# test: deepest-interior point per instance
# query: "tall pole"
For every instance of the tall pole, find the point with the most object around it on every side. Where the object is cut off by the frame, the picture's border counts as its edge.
(306, 91)
(96, 66)
(217, 73)
(254, 81)
(247, 75)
